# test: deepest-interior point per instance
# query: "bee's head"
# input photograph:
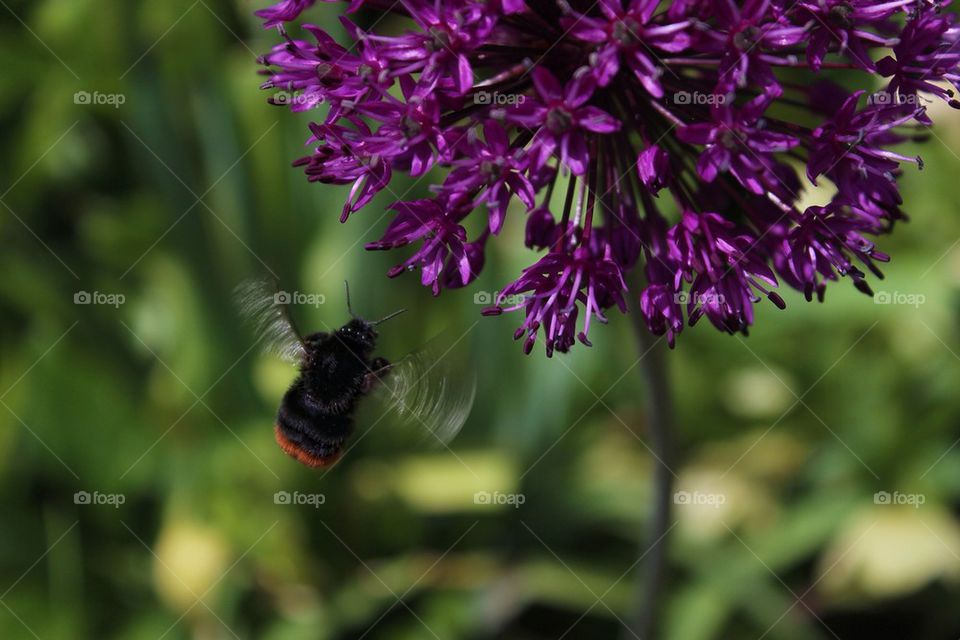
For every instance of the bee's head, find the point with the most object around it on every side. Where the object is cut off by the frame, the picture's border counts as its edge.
(359, 334)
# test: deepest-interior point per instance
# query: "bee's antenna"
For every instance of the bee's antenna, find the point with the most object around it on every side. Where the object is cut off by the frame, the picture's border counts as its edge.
(392, 315)
(349, 307)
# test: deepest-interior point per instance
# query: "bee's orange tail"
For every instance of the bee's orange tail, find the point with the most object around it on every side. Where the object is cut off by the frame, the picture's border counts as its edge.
(294, 450)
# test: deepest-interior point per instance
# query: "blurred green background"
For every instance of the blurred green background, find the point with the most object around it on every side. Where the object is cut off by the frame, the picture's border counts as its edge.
(160, 403)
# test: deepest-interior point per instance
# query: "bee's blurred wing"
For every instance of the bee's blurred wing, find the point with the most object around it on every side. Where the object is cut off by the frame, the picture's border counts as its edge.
(263, 306)
(432, 392)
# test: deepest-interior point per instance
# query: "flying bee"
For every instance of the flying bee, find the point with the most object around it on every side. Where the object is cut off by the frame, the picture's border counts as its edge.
(339, 371)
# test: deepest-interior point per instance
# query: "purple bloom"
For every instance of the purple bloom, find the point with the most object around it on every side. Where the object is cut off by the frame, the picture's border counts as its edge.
(848, 24)
(410, 134)
(744, 38)
(541, 229)
(501, 175)
(584, 118)
(549, 292)
(927, 51)
(283, 11)
(737, 141)
(290, 10)
(858, 137)
(627, 33)
(343, 158)
(444, 241)
(309, 72)
(820, 247)
(653, 168)
(562, 119)
(725, 270)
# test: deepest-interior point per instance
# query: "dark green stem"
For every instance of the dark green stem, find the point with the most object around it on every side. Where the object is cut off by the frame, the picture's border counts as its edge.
(644, 619)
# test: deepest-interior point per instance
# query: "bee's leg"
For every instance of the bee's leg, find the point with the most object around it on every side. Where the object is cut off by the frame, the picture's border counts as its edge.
(378, 368)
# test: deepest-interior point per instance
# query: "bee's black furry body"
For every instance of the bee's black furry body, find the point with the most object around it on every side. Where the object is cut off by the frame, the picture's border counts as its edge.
(316, 413)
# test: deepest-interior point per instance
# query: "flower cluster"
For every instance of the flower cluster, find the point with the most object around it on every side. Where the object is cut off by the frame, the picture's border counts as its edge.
(580, 116)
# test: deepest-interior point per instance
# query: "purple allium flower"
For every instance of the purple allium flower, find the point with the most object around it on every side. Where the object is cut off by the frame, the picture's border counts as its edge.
(437, 224)
(737, 141)
(628, 32)
(654, 152)
(492, 170)
(283, 11)
(561, 119)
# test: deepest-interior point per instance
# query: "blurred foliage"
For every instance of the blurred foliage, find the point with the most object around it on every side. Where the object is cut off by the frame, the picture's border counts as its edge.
(173, 197)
